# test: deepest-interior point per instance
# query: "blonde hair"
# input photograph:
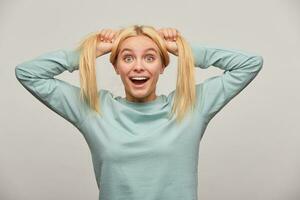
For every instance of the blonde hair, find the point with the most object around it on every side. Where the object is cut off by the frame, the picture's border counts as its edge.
(185, 93)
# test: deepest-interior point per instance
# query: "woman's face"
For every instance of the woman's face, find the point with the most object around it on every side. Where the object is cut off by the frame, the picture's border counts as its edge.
(139, 58)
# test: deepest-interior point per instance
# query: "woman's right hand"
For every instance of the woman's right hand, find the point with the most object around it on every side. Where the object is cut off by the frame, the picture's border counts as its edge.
(107, 37)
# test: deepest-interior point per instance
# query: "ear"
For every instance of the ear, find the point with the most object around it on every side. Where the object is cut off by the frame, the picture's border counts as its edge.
(116, 69)
(162, 69)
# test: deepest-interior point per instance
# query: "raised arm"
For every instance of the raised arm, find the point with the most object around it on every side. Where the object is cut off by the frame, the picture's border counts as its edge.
(240, 68)
(37, 76)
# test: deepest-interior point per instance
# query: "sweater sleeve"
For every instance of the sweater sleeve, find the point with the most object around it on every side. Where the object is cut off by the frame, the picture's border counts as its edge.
(240, 68)
(38, 77)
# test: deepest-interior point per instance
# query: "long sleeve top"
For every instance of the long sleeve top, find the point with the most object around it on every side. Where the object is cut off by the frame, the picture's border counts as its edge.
(137, 151)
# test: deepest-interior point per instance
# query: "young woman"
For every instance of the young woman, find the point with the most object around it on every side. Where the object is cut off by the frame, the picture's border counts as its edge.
(143, 146)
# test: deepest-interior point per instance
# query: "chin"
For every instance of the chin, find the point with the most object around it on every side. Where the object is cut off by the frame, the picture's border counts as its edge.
(139, 94)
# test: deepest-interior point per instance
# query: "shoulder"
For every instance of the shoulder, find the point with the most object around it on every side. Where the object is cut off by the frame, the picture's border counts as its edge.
(104, 92)
(105, 95)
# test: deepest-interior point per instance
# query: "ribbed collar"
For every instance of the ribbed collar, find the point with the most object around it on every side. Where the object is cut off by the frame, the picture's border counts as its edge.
(143, 105)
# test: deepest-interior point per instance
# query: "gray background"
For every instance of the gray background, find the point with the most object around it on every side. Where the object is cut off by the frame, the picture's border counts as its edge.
(250, 150)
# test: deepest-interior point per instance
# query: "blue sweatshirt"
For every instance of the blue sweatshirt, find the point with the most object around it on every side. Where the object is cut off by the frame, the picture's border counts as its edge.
(137, 152)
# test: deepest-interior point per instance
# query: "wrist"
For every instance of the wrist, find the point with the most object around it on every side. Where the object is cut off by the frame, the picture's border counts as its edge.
(99, 53)
(175, 53)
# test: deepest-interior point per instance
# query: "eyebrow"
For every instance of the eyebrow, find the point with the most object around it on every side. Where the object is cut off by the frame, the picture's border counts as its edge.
(126, 49)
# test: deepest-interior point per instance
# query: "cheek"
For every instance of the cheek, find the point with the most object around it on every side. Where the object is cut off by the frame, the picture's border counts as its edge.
(123, 69)
(122, 73)
(124, 77)
(156, 69)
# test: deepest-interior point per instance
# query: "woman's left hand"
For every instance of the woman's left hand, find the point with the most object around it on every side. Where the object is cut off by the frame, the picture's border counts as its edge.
(170, 35)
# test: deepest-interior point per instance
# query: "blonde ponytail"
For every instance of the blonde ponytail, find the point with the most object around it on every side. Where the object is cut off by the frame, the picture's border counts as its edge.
(185, 94)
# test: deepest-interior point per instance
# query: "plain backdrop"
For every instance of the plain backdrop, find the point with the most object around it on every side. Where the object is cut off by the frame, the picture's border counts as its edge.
(249, 151)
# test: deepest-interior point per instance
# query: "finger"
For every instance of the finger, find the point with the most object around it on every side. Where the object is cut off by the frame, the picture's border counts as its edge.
(169, 34)
(174, 32)
(106, 36)
(172, 35)
(101, 34)
(111, 35)
(166, 34)
(160, 33)
(177, 33)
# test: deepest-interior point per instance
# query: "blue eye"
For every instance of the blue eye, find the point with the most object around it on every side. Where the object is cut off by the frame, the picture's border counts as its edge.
(152, 57)
(125, 58)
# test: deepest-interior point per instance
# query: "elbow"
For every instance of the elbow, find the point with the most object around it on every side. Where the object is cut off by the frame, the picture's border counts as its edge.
(20, 73)
(17, 72)
(257, 63)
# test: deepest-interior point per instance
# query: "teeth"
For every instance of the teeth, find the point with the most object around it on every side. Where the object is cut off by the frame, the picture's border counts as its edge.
(139, 78)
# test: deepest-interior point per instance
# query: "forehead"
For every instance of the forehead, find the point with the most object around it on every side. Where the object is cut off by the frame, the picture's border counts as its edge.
(138, 44)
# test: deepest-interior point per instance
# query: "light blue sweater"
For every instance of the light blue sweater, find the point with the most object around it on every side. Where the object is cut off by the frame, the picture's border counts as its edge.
(137, 152)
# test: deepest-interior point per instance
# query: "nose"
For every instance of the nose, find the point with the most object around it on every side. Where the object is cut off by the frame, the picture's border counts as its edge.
(138, 65)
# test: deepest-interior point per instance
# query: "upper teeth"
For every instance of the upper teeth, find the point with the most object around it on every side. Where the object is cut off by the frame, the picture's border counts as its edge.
(139, 78)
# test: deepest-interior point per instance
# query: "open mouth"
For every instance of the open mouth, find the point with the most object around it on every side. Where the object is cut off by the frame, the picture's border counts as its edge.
(139, 82)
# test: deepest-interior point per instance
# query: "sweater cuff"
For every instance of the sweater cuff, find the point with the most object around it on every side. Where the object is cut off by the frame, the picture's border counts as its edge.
(199, 53)
(73, 57)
